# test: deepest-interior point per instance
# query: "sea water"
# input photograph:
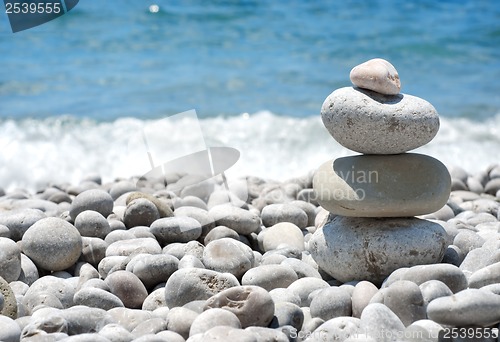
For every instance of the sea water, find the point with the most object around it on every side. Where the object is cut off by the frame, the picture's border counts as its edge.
(75, 91)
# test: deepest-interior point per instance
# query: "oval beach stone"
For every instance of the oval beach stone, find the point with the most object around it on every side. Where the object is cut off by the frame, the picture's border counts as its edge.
(269, 276)
(368, 122)
(409, 184)
(378, 75)
(140, 212)
(228, 255)
(92, 224)
(372, 248)
(189, 284)
(240, 220)
(470, 307)
(128, 288)
(94, 199)
(176, 229)
(251, 304)
(10, 260)
(52, 243)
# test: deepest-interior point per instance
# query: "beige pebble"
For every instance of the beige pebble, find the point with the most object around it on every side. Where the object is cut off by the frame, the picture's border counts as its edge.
(378, 75)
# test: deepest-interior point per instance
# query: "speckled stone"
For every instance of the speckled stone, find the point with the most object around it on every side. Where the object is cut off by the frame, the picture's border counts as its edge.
(378, 75)
(336, 329)
(189, 284)
(251, 304)
(383, 124)
(372, 248)
(403, 185)
(9, 308)
(52, 243)
(51, 289)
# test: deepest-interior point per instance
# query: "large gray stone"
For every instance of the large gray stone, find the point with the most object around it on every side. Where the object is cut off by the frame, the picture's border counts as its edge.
(52, 243)
(350, 248)
(409, 184)
(368, 122)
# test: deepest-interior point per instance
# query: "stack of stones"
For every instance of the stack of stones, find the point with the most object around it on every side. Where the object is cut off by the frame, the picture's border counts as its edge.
(373, 198)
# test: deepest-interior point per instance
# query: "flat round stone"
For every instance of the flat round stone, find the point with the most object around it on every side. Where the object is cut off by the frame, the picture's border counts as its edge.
(402, 185)
(378, 75)
(351, 248)
(368, 122)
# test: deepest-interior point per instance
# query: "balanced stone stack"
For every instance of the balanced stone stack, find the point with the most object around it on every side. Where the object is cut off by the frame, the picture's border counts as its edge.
(373, 198)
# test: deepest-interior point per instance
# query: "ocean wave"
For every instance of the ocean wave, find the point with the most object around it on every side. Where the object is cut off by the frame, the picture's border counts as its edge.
(65, 149)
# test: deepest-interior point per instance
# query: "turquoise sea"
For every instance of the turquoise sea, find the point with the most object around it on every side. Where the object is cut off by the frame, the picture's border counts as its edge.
(73, 91)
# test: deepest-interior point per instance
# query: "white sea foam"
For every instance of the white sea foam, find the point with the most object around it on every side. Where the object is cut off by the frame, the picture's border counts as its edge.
(64, 149)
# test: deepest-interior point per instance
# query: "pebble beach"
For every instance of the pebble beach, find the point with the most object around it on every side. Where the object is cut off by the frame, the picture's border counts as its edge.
(130, 260)
(272, 212)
